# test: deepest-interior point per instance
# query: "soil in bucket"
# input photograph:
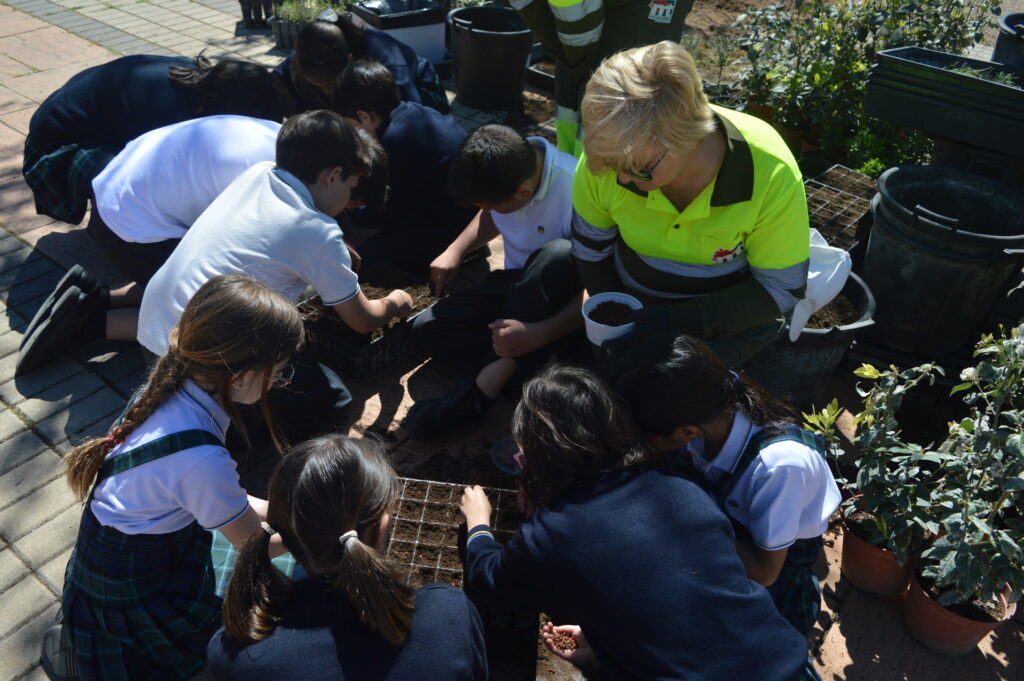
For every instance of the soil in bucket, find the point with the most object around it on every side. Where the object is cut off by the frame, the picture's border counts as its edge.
(611, 313)
(839, 312)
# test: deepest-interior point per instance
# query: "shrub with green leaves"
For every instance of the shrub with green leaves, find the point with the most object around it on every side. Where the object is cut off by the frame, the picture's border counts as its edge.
(958, 505)
(810, 58)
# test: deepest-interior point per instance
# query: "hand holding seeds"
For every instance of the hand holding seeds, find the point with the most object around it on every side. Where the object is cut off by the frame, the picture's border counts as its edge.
(567, 642)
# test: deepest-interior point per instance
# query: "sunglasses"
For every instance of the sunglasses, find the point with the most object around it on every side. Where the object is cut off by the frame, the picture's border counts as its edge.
(283, 376)
(647, 174)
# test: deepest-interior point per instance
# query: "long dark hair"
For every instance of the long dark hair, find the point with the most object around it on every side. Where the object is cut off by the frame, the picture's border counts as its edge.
(233, 86)
(320, 490)
(571, 427)
(323, 48)
(674, 382)
(231, 325)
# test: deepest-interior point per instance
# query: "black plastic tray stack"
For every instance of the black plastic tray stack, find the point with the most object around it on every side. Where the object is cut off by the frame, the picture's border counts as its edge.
(913, 87)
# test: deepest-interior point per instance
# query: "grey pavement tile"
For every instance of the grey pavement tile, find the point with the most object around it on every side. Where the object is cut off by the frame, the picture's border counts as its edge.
(9, 342)
(52, 574)
(35, 509)
(21, 602)
(51, 539)
(35, 674)
(61, 396)
(17, 389)
(114, 365)
(89, 418)
(12, 569)
(19, 449)
(126, 386)
(14, 259)
(25, 291)
(33, 268)
(29, 476)
(10, 243)
(19, 652)
(10, 424)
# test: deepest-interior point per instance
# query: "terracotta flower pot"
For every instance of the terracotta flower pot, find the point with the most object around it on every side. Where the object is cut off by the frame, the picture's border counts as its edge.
(872, 569)
(940, 629)
(756, 107)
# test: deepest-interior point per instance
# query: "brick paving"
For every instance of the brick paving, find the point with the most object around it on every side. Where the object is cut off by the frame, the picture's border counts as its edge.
(42, 44)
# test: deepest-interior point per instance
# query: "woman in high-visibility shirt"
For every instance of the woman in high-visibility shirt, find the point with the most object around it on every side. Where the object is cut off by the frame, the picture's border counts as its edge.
(697, 210)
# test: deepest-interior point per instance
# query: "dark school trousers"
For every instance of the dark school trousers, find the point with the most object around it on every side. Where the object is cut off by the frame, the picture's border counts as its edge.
(136, 260)
(454, 330)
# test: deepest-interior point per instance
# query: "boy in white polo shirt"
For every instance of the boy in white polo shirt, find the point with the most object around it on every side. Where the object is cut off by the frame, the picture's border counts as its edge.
(515, 319)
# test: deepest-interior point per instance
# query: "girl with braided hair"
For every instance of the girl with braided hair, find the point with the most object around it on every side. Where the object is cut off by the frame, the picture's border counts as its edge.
(330, 501)
(139, 598)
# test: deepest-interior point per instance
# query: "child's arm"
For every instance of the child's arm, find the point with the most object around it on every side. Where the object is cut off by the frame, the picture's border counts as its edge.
(762, 566)
(239, 530)
(513, 338)
(364, 315)
(480, 230)
(496, 573)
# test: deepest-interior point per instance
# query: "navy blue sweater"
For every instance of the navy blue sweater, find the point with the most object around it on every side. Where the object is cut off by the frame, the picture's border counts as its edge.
(645, 562)
(112, 104)
(320, 637)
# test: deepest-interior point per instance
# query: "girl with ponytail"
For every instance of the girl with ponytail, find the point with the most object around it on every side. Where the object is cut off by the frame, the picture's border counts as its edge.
(769, 476)
(139, 598)
(330, 501)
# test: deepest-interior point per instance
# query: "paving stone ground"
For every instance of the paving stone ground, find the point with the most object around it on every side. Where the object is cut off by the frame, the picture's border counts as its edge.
(42, 44)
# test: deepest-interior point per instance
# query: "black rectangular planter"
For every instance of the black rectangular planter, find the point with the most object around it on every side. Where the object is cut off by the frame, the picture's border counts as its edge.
(913, 87)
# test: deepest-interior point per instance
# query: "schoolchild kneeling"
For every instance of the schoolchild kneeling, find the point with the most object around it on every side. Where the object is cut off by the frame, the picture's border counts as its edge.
(640, 559)
(139, 598)
(514, 320)
(420, 218)
(331, 501)
(769, 476)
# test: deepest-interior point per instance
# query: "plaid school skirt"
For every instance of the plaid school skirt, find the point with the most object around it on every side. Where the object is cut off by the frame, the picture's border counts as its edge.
(140, 607)
(61, 179)
(796, 592)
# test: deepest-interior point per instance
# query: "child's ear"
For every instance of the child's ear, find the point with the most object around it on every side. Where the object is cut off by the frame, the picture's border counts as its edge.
(524, 192)
(677, 438)
(328, 176)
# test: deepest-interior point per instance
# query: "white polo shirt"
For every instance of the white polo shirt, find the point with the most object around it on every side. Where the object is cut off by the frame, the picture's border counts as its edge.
(167, 494)
(163, 180)
(787, 492)
(547, 216)
(264, 225)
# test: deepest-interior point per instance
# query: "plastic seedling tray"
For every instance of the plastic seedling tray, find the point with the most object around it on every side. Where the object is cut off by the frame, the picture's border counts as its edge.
(837, 201)
(428, 529)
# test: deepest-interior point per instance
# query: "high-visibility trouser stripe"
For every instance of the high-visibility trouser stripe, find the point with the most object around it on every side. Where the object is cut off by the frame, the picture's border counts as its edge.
(669, 277)
(575, 10)
(581, 39)
(567, 115)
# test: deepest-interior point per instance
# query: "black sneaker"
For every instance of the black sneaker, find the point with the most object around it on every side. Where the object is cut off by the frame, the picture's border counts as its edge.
(57, 656)
(76, 276)
(64, 326)
(463, 404)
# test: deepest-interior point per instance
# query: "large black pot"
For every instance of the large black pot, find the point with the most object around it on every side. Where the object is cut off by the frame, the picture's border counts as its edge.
(944, 245)
(1009, 49)
(800, 370)
(491, 47)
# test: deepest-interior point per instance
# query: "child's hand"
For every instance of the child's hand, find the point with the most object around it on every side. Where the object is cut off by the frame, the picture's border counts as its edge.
(444, 268)
(404, 302)
(513, 338)
(582, 655)
(475, 506)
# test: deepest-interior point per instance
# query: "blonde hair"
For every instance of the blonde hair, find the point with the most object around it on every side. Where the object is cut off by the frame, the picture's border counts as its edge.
(639, 97)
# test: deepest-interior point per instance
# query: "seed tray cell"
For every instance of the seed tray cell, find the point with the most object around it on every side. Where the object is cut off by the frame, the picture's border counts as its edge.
(834, 212)
(428, 530)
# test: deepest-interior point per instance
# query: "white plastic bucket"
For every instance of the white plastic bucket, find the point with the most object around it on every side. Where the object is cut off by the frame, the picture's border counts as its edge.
(598, 333)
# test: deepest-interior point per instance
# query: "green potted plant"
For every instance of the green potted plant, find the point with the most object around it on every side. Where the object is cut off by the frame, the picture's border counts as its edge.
(884, 509)
(965, 577)
(291, 15)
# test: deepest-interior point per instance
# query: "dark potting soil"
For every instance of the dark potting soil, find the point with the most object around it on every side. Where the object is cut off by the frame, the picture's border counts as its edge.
(862, 524)
(839, 312)
(975, 610)
(611, 313)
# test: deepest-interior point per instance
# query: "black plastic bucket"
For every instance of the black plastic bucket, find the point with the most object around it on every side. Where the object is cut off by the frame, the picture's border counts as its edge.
(1009, 49)
(800, 370)
(491, 47)
(945, 244)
